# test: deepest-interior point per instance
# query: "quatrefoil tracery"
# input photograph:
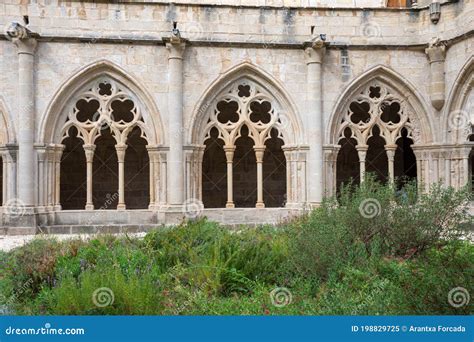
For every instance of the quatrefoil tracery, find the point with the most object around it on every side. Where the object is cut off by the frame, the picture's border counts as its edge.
(245, 104)
(104, 105)
(378, 106)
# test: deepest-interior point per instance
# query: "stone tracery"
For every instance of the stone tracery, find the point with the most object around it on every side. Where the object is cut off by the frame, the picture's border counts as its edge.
(378, 112)
(104, 108)
(244, 110)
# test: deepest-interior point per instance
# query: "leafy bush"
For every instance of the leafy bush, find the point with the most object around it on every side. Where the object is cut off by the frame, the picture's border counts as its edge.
(376, 220)
(403, 256)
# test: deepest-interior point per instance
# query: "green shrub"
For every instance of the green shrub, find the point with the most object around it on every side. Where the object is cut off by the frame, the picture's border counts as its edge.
(132, 295)
(375, 220)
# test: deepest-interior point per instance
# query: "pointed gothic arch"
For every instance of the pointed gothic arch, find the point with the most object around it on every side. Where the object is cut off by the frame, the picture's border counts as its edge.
(386, 76)
(381, 116)
(457, 127)
(246, 109)
(100, 103)
(458, 117)
(292, 125)
(8, 149)
(55, 115)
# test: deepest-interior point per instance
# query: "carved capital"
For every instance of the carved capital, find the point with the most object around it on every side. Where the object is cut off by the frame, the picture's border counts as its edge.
(390, 149)
(89, 150)
(436, 51)
(314, 54)
(229, 153)
(176, 48)
(121, 152)
(259, 151)
(23, 38)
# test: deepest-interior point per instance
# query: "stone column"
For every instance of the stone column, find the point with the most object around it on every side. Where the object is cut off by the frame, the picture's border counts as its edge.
(57, 176)
(314, 58)
(362, 152)
(229, 154)
(152, 157)
(42, 175)
(176, 48)
(436, 52)
(9, 158)
(390, 150)
(5, 178)
(26, 44)
(121, 170)
(259, 151)
(89, 150)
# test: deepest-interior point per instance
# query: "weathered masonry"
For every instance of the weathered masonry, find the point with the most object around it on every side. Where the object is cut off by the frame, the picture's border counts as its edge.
(124, 116)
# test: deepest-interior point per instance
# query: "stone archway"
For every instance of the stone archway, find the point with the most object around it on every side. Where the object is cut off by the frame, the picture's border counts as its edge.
(8, 157)
(379, 124)
(101, 113)
(247, 122)
(458, 129)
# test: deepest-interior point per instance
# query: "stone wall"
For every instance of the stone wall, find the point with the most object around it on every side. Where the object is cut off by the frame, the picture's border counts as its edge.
(268, 36)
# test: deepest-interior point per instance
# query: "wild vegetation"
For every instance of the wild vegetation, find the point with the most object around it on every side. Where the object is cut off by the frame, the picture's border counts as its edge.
(370, 251)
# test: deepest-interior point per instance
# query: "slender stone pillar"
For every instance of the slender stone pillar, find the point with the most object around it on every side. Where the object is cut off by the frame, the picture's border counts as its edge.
(153, 156)
(42, 175)
(176, 48)
(4, 178)
(390, 150)
(362, 152)
(259, 151)
(436, 52)
(121, 170)
(314, 59)
(57, 176)
(229, 154)
(26, 44)
(89, 150)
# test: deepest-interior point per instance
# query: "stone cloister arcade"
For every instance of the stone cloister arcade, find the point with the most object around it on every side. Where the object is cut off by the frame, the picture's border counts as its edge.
(102, 153)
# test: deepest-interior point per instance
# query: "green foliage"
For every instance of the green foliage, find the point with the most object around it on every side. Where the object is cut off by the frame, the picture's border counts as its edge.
(376, 220)
(340, 259)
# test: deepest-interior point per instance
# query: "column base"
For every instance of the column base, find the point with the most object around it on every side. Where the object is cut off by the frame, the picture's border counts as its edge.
(260, 205)
(230, 205)
(89, 207)
(121, 207)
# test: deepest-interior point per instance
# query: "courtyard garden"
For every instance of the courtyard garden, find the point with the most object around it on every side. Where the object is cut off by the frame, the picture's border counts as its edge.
(373, 250)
